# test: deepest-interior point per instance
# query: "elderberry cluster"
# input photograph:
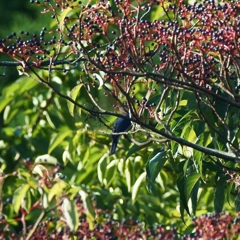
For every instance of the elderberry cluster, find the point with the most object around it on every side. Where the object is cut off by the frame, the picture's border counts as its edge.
(216, 226)
(209, 226)
(116, 38)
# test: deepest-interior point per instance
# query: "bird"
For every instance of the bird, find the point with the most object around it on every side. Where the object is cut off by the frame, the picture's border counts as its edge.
(120, 125)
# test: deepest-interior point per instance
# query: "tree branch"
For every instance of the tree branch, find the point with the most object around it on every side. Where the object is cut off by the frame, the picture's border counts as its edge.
(209, 151)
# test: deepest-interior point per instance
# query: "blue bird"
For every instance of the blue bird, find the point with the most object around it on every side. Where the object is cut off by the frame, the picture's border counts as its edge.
(119, 126)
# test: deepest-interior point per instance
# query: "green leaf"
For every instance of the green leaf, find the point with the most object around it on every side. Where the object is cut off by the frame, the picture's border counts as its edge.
(230, 186)
(33, 182)
(197, 157)
(204, 139)
(183, 200)
(155, 99)
(101, 168)
(159, 12)
(192, 136)
(26, 84)
(9, 93)
(237, 203)
(154, 166)
(190, 182)
(45, 200)
(136, 186)
(10, 114)
(39, 169)
(70, 214)
(134, 149)
(20, 86)
(194, 197)
(57, 139)
(62, 17)
(28, 201)
(111, 169)
(147, 209)
(49, 120)
(73, 95)
(57, 190)
(18, 196)
(129, 172)
(184, 123)
(188, 185)
(189, 134)
(119, 214)
(213, 167)
(4, 102)
(88, 208)
(182, 208)
(219, 192)
(23, 173)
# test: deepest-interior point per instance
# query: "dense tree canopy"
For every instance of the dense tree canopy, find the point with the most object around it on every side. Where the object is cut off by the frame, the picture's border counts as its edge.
(174, 66)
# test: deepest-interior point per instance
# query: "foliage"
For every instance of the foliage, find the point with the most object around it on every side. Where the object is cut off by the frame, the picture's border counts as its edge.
(175, 65)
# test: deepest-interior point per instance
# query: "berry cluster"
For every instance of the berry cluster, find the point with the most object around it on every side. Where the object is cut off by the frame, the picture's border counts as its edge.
(28, 49)
(216, 226)
(211, 226)
(194, 41)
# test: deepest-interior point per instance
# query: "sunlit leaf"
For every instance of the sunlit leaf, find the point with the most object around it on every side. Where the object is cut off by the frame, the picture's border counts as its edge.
(6, 113)
(4, 102)
(159, 13)
(24, 173)
(99, 78)
(129, 174)
(73, 95)
(88, 208)
(136, 186)
(33, 182)
(44, 200)
(57, 139)
(63, 15)
(111, 170)
(39, 169)
(46, 158)
(101, 169)
(66, 156)
(57, 189)
(70, 214)
(49, 120)
(190, 182)
(24, 84)
(18, 196)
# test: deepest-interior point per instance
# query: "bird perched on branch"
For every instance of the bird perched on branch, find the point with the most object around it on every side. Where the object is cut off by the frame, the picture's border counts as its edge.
(120, 125)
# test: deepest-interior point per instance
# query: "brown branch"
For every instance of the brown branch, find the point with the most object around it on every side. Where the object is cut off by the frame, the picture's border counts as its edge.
(43, 63)
(209, 151)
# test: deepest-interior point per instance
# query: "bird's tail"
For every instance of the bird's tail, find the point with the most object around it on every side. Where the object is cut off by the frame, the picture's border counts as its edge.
(113, 148)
